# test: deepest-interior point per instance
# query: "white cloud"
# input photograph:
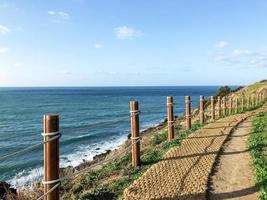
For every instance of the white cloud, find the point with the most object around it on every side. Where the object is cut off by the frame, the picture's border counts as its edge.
(4, 49)
(241, 52)
(18, 64)
(52, 12)
(124, 32)
(4, 29)
(222, 44)
(59, 16)
(244, 57)
(98, 46)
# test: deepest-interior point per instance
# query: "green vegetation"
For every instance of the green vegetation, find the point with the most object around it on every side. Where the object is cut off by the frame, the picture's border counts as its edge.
(109, 181)
(258, 148)
(258, 85)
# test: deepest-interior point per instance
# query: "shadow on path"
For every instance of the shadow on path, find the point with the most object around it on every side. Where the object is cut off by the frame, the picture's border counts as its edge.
(218, 196)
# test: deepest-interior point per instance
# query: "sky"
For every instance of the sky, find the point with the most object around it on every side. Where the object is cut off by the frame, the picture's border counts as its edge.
(132, 43)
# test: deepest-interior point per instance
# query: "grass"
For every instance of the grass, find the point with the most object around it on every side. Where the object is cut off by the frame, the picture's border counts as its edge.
(111, 179)
(258, 148)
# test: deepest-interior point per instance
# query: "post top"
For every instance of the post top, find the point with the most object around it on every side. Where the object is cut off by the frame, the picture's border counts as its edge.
(187, 97)
(133, 102)
(51, 115)
(134, 105)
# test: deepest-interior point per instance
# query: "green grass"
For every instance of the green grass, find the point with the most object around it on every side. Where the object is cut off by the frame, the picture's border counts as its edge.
(258, 145)
(98, 184)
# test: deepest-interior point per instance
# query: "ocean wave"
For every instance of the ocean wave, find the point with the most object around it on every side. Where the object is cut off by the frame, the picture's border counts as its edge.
(28, 177)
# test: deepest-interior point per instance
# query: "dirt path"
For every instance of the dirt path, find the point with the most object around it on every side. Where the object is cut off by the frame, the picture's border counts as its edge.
(233, 176)
(184, 172)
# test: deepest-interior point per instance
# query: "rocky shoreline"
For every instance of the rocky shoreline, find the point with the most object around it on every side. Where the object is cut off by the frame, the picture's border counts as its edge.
(109, 153)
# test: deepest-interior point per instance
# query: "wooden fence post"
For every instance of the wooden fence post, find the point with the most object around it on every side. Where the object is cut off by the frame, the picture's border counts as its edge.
(170, 118)
(253, 102)
(230, 105)
(136, 162)
(248, 102)
(51, 155)
(201, 110)
(212, 108)
(242, 103)
(219, 107)
(224, 106)
(236, 105)
(188, 112)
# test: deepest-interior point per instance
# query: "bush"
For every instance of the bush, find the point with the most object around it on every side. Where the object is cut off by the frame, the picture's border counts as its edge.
(98, 194)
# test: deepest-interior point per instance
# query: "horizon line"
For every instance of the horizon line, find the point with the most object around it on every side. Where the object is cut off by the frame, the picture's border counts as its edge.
(120, 86)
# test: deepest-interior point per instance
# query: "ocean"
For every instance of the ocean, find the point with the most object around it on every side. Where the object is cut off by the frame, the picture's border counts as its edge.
(92, 120)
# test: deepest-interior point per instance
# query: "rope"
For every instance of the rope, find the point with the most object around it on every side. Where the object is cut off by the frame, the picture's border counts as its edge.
(51, 133)
(58, 181)
(136, 138)
(107, 123)
(135, 112)
(171, 123)
(49, 191)
(50, 182)
(99, 163)
(30, 148)
(170, 104)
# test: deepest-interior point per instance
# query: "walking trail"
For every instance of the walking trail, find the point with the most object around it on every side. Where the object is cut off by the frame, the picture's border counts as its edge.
(233, 176)
(185, 170)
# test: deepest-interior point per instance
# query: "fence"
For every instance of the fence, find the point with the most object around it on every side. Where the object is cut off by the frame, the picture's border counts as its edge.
(52, 134)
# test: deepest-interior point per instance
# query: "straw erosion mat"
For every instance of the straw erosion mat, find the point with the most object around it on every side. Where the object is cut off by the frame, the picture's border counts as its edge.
(184, 171)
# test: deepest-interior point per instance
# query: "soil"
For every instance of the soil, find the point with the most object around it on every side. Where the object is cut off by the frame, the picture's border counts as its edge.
(233, 175)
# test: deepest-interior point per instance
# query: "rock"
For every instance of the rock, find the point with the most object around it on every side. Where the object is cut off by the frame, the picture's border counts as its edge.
(6, 189)
(102, 155)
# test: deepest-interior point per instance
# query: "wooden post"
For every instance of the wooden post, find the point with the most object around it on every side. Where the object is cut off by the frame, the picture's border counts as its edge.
(242, 103)
(248, 103)
(51, 155)
(224, 106)
(170, 118)
(135, 134)
(230, 105)
(253, 102)
(212, 108)
(219, 106)
(201, 110)
(236, 105)
(188, 112)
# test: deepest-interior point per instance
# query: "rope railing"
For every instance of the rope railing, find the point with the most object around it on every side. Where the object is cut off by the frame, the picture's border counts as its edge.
(127, 149)
(49, 191)
(52, 134)
(77, 173)
(33, 147)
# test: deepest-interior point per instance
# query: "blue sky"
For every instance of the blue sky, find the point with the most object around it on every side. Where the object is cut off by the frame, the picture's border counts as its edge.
(126, 42)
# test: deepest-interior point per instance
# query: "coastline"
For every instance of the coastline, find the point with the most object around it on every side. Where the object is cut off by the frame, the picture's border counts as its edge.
(109, 153)
(34, 175)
